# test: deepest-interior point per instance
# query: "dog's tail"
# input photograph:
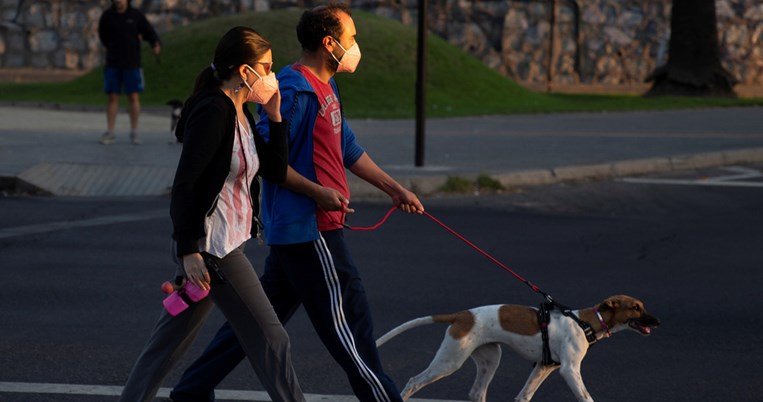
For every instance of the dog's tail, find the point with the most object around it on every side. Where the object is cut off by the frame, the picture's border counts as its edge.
(404, 327)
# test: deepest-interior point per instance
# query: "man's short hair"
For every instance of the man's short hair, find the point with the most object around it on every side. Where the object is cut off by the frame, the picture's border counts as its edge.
(319, 22)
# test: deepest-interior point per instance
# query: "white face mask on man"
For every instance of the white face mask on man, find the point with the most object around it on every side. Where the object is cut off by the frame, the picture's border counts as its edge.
(262, 89)
(350, 59)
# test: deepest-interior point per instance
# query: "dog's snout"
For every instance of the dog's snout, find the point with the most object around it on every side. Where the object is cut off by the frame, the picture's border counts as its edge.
(650, 320)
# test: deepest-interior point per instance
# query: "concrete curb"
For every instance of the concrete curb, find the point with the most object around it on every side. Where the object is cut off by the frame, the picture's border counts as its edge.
(430, 185)
(427, 186)
(12, 185)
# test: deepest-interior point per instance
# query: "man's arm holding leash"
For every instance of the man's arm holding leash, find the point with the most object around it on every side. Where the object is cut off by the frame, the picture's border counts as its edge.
(330, 199)
(368, 170)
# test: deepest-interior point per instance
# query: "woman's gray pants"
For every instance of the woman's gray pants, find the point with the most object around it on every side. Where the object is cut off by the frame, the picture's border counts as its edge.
(247, 308)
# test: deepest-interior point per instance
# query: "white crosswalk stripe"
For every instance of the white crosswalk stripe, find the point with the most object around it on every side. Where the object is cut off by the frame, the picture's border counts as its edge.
(113, 390)
(83, 223)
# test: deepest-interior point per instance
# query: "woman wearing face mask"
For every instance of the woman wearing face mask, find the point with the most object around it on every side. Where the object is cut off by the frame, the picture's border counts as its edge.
(214, 207)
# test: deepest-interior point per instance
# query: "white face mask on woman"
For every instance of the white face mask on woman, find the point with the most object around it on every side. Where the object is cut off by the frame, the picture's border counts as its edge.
(350, 59)
(262, 89)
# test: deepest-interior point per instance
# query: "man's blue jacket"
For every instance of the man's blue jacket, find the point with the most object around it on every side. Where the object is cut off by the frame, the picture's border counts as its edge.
(289, 217)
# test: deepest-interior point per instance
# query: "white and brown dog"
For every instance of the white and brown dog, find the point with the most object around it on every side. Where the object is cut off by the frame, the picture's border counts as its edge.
(477, 333)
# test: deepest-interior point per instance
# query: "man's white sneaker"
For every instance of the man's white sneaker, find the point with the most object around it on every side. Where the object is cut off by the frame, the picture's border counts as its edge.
(134, 139)
(107, 138)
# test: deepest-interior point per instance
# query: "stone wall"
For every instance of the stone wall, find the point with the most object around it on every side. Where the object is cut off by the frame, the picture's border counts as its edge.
(595, 41)
(610, 42)
(63, 34)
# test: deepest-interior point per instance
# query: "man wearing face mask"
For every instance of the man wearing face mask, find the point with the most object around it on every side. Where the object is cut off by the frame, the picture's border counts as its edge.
(309, 262)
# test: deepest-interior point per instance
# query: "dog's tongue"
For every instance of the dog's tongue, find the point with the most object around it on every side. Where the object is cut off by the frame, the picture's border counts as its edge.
(644, 329)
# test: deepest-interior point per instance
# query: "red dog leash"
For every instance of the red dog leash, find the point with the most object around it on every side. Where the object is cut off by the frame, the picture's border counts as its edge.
(381, 222)
(463, 239)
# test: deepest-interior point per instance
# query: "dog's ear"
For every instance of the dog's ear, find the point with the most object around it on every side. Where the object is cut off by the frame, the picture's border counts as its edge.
(611, 303)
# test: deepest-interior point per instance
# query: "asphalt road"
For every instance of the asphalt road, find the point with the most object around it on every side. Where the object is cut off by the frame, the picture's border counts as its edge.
(80, 297)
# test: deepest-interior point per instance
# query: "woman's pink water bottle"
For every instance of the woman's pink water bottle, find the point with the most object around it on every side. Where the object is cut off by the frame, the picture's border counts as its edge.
(180, 298)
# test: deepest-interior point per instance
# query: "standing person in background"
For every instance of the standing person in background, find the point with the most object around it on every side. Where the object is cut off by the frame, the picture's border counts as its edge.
(214, 209)
(309, 262)
(120, 30)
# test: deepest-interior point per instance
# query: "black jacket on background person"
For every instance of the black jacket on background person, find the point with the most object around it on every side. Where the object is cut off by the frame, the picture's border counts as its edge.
(121, 34)
(207, 129)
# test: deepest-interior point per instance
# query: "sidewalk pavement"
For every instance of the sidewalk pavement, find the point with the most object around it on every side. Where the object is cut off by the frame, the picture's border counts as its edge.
(53, 151)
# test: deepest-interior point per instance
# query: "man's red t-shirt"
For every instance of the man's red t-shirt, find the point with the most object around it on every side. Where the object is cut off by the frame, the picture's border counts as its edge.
(327, 147)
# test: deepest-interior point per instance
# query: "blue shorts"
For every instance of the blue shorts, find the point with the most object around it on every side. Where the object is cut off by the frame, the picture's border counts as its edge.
(117, 79)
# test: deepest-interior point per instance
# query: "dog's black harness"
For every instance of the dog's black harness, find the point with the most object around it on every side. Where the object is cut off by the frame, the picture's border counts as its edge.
(544, 317)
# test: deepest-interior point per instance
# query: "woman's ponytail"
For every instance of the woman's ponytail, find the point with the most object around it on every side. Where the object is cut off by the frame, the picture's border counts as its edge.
(206, 79)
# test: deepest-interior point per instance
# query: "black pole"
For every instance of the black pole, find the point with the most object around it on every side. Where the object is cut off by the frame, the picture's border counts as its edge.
(421, 53)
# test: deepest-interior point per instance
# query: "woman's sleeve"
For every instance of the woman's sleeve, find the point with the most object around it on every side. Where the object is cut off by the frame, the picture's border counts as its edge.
(274, 154)
(203, 135)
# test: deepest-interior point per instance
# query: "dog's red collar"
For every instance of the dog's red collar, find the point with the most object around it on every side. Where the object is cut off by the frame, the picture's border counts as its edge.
(603, 323)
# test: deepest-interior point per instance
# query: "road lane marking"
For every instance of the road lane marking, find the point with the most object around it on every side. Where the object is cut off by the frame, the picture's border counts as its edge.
(741, 173)
(693, 182)
(62, 225)
(114, 390)
(733, 180)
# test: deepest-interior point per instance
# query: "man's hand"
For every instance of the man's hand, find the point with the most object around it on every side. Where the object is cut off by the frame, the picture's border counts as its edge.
(327, 198)
(330, 199)
(157, 49)
(408, 202)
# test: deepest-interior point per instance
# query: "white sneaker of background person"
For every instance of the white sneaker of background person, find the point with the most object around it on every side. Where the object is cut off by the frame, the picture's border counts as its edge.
(109, 138)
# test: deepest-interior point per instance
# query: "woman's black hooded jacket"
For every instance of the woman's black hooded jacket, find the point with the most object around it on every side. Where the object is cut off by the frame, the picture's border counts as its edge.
(207, 128)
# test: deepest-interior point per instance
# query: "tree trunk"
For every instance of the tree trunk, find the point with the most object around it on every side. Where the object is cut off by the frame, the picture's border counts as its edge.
(694, 61)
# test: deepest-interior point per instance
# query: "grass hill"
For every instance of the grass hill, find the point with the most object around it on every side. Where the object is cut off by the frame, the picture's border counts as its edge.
(383, 86)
